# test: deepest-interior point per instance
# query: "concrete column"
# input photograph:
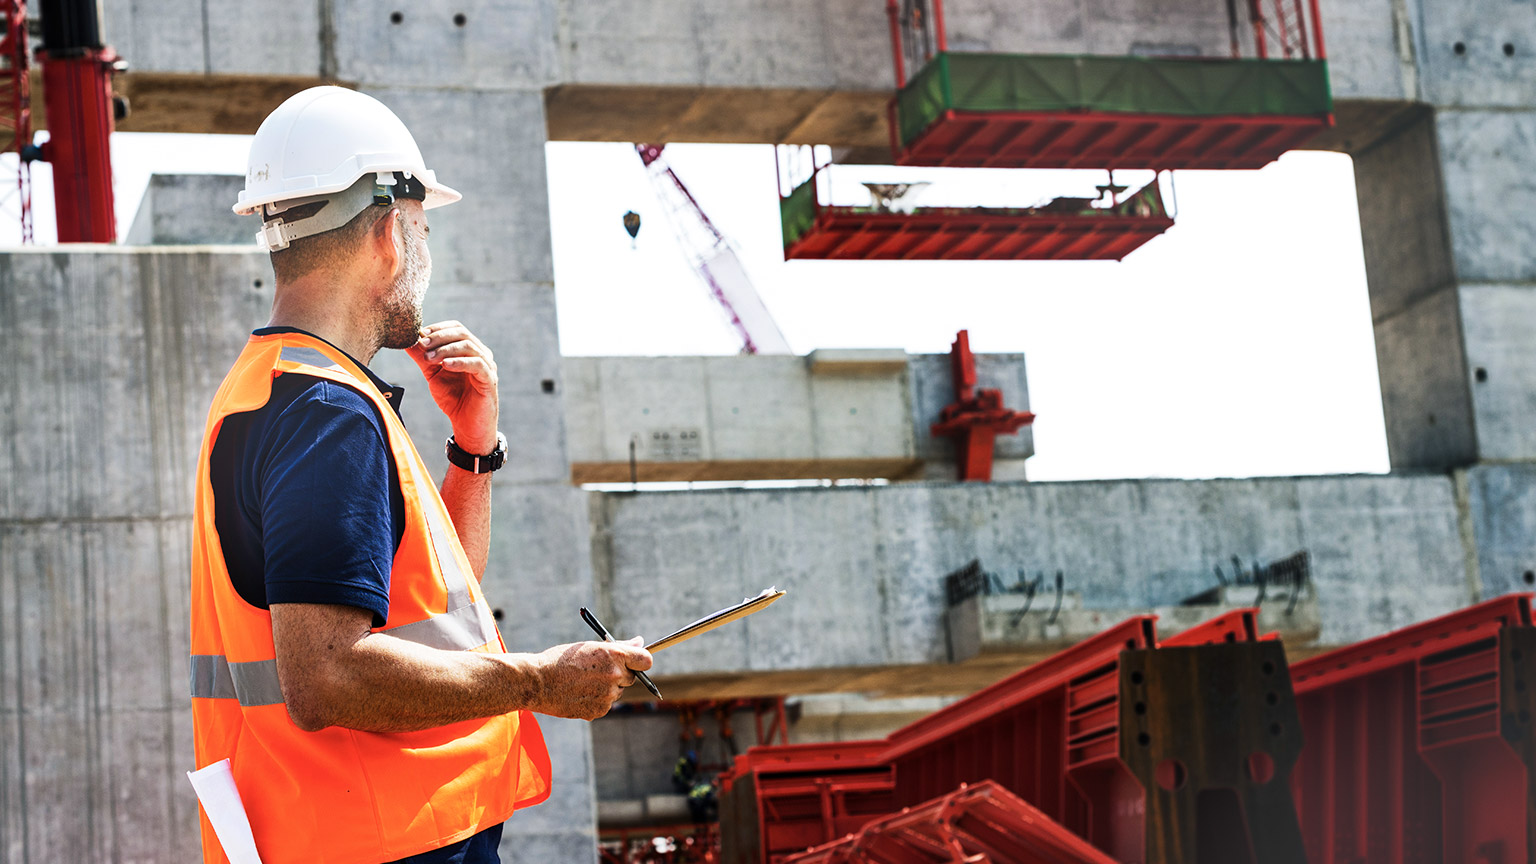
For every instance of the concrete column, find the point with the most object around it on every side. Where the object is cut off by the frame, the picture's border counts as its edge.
(1420, 350)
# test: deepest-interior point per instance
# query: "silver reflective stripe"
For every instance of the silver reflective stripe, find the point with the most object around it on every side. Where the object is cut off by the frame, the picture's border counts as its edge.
(308, 356)
(455, 580)
(254, 684)
(462, 629)
(210, 677)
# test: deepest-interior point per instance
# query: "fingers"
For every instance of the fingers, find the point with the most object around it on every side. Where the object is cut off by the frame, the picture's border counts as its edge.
(451, 339)
(631, 656)
(588, 677)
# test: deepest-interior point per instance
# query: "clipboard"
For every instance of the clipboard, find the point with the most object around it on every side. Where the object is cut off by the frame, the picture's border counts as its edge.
(717, 619)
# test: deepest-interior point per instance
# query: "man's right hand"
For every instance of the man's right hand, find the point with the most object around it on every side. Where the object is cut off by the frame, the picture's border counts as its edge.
(582, 680)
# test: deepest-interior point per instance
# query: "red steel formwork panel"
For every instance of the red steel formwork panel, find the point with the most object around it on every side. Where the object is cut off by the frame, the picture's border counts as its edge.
(974, 234)
(1420, 745)
(1049, 733)
(779, 800)
(980, 824)
(961, 139)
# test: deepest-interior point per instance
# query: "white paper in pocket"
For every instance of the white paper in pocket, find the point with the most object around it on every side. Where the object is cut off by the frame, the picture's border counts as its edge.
(215, 786)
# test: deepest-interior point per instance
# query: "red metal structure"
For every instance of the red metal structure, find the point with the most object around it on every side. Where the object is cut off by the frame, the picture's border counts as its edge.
(1420, 745)
(1148, 753)
(16, 102)
(1066, 228)
(976, 417)
(77, 88)
(977, 824)
(977, 110)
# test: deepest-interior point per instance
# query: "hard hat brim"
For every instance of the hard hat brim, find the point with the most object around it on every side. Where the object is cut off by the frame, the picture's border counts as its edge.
(438, 195)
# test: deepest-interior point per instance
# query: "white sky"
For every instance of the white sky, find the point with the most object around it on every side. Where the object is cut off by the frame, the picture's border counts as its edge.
(1237, 344)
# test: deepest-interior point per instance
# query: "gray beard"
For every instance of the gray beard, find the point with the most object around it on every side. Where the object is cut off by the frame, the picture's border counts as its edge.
(401, 325)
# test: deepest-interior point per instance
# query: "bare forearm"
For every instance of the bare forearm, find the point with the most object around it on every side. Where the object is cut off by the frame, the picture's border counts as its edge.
(468, 498)
(386, 684)
(335, 671)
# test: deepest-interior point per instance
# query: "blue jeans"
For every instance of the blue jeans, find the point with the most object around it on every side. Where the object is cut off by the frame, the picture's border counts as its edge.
(479, 849)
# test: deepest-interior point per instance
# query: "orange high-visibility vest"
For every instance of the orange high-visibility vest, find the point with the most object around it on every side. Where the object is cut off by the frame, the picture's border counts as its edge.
(340, 796)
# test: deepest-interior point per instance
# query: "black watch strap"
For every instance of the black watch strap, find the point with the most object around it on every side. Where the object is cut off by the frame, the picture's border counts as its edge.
(477, 464)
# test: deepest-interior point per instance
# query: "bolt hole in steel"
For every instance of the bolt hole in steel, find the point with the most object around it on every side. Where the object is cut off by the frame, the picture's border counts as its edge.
(1274, 728)
(1509, 49)
(1231, 637)
(1460, 48)
(1140, 707)
(459, 20)
(1143, 739)
(396, 17)
(1261, 768)
(1272, 698)
(1268, 667)
(1136, 678)
(1481, 374)
(1170, 774)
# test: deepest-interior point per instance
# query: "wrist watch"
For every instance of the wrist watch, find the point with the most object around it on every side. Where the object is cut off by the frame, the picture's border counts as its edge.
(478, 464)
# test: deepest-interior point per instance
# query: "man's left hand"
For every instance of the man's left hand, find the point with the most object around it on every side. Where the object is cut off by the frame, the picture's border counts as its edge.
(461, 373)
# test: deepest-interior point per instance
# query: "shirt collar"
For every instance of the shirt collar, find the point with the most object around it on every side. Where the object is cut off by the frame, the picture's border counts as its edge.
(393, 393)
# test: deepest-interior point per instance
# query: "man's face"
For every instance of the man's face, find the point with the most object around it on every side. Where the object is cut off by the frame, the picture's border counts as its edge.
(402, 315)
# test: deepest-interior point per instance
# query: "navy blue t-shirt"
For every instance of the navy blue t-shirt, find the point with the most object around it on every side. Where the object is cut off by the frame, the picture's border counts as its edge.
(308, 509)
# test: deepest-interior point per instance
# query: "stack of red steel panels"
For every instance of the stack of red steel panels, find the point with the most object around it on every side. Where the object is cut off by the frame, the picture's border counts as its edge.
(1420, 745)
(1050, 734)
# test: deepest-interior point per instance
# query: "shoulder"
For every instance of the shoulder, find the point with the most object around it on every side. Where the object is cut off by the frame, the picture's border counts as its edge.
(304, 402)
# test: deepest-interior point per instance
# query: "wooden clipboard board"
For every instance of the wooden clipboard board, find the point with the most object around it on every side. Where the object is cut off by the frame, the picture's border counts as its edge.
(717, 619)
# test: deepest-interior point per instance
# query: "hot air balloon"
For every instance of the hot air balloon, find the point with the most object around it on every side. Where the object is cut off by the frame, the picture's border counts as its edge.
(632, 225)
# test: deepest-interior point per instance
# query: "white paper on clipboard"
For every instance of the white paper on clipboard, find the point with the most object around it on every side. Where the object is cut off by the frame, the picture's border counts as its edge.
(215, 787)
(716, 619)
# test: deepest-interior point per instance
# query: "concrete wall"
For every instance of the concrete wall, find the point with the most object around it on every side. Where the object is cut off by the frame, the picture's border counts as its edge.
(864, 566)
(109, 364)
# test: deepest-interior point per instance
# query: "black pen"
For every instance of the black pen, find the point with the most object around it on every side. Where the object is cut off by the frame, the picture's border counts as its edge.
(602, 631)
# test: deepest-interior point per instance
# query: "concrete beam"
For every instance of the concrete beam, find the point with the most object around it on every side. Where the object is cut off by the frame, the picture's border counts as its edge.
(774, 417)
(191, 210)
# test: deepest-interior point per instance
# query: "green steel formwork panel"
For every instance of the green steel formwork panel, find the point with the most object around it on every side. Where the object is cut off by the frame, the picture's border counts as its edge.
(798, 211)
(1103, 89)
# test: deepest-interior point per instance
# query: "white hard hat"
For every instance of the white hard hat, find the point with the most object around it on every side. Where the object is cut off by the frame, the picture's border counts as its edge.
(321, 142)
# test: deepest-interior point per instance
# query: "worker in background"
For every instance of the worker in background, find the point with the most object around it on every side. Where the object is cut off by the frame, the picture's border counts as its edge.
(343, 657)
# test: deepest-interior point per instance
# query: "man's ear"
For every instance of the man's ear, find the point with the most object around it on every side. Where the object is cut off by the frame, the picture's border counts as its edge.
(387, 241)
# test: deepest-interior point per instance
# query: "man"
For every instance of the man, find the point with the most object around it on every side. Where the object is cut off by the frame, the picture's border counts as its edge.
(343, 658)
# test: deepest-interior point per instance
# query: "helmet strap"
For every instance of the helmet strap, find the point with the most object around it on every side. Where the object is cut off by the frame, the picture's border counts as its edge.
(381, 189)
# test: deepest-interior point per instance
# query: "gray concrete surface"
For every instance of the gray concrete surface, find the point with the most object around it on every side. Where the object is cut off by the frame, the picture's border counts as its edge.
(108, 357)
(864, 567)
(772, 417)
(191, 210)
